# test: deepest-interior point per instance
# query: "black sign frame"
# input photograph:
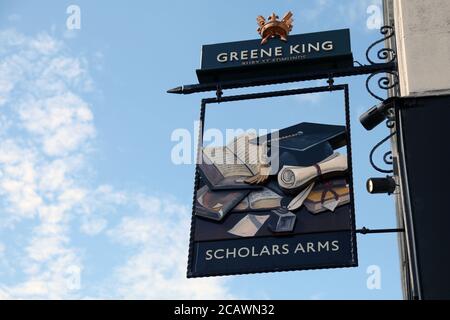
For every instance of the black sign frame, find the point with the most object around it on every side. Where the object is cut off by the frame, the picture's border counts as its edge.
(330, 88)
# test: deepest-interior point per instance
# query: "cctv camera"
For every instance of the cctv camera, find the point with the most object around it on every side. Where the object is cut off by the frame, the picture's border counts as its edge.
(375, 115)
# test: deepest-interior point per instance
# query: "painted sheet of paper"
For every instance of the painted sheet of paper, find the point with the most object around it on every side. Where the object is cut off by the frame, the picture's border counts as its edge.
(249, 225)
(331, 205)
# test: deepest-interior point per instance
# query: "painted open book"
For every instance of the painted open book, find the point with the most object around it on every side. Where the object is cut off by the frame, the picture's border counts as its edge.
(227, 167)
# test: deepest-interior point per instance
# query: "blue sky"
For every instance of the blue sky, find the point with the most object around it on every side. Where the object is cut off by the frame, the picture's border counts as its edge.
(91, 204)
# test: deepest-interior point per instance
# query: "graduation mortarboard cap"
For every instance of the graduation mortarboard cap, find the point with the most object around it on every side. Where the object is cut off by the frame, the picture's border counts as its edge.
(305, 144)
(306, 135)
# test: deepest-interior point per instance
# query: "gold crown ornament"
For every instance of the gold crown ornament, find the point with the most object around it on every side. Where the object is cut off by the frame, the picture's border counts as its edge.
(273, 27)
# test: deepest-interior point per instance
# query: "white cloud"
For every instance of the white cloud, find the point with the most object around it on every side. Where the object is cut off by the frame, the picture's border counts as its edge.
(3, 294)
(44, 181)
(17, 179)
(158, 270)
(93, 226)
(43, 248)
(41, 155)
(44, 44)
(133, 231)
(29, 289)
(311, 99)
(62, 123)
(154, 276)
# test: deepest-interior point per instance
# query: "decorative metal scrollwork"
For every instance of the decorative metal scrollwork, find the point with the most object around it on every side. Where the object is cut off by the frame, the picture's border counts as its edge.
(385, 54)
(387, 157)
(390, 122)
(385, 82)
(388, 80)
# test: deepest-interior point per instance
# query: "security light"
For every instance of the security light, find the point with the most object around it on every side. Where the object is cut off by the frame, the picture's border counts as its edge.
(381, 185)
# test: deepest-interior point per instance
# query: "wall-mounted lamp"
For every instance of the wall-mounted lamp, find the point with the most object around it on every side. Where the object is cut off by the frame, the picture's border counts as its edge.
(381, 185)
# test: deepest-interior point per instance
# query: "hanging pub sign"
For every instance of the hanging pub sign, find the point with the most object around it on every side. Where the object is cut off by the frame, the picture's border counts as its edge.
(276, 54)
(277, 201)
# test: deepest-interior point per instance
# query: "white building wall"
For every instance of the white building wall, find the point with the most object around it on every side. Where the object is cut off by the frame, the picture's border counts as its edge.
(423, 44)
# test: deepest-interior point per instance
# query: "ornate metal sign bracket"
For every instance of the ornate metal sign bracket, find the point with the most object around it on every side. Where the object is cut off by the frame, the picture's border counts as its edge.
(388, 55)
(389, 81)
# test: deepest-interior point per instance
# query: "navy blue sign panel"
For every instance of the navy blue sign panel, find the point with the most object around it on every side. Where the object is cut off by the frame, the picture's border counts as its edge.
(297, 216)
(301, 252)
(250, 59)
